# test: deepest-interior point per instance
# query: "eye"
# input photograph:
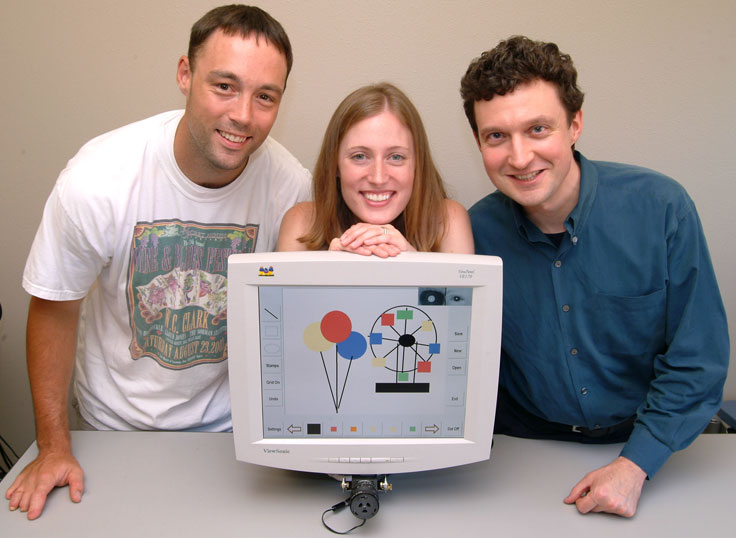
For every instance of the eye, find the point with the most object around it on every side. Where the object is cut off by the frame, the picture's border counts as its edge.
(223, 86)
(539, 129)
(266, 97)
(396, 158)
(456, 299)
(358, 157)
(494, 138)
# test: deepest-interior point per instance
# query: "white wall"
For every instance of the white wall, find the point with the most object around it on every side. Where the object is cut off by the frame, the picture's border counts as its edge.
(659, 78)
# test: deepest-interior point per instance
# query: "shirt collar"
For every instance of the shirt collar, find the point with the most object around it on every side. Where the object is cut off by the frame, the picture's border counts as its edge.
(588, 188)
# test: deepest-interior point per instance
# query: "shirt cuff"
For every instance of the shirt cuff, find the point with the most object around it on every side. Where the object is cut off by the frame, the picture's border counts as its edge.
(645, 450)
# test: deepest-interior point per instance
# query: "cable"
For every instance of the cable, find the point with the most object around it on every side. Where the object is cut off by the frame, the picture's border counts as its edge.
(7, 463)
(336, 508)
(3, 441)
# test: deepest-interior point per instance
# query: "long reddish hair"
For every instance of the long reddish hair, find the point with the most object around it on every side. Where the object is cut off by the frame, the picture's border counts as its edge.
(423, 220)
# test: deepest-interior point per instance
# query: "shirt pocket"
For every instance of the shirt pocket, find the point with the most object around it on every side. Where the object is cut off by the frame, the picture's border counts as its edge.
(627, 325)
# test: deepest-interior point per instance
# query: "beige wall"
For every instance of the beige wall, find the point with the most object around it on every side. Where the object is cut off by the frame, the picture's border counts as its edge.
(659, 78)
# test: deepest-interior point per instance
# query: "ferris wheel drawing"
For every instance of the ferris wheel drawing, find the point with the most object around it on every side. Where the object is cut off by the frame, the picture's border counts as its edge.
(403, 340)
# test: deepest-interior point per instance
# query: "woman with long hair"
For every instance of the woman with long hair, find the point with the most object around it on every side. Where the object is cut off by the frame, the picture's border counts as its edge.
(376, 189)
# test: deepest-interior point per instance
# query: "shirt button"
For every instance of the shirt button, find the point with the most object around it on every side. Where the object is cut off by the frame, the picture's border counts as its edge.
(565, 307)
(574, 351)
(558, 264)
(575, 240)
(583, 391)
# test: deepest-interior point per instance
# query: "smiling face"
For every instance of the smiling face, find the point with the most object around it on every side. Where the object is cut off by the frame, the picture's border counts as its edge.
(526, 138)
(233, 94)
(376, 163)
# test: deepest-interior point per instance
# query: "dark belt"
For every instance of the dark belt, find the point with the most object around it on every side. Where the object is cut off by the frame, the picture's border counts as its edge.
(603, 432)
(512, 419)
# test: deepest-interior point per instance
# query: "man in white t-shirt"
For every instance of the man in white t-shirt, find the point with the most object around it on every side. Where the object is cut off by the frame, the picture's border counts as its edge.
(140, 223)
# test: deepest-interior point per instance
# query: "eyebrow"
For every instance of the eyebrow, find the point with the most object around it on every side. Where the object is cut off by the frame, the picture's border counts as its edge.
(367, 149)
(229, 75)
(541, 119)
(537, 120)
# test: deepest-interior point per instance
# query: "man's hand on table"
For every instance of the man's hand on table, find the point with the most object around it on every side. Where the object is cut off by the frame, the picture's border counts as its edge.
(49, 470)
(615, 488)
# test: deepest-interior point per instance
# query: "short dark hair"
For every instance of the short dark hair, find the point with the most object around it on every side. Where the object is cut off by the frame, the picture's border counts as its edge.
(237, 19)
(519, 60)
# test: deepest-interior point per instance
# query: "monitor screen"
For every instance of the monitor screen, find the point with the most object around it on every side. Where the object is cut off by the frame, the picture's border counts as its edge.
(347, 364)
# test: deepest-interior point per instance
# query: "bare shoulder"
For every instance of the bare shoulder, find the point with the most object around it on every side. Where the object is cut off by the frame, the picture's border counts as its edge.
(303, 211)
(457, 233)
(455, 210)
(295, 224)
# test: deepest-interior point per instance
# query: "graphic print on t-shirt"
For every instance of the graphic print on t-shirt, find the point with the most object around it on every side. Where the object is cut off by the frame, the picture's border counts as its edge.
(177, 289)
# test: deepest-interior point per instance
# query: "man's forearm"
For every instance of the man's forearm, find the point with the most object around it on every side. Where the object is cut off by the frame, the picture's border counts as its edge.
(50, 346)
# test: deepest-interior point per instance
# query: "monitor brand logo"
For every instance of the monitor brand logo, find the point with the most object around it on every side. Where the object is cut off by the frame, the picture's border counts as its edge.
(265, 271)
(276, 451)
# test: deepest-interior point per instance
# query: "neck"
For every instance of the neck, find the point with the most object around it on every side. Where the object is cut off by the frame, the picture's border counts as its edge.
(548, 223)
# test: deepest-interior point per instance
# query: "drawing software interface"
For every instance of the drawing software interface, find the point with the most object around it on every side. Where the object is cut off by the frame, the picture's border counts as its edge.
(342, 362)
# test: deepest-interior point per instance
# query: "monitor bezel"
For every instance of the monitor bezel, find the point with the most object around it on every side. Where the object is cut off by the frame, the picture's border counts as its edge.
(367, 455)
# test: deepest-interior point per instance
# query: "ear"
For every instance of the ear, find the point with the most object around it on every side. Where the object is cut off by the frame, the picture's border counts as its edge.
(184, 75)
(576, 126)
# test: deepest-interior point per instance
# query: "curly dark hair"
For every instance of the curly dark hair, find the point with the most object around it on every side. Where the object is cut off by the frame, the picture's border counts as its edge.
(519, 60)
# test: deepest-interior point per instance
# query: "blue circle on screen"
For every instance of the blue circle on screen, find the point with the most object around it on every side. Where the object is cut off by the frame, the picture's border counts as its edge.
(353, 347)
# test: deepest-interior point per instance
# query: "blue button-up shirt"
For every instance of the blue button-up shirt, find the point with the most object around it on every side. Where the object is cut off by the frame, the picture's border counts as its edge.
(624, 318)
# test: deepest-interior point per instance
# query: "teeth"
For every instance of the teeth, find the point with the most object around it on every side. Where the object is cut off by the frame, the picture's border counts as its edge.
(528, 177)
(377, 197)
(232, 138)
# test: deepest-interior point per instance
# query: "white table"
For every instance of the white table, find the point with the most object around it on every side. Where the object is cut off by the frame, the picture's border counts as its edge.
(190, 485)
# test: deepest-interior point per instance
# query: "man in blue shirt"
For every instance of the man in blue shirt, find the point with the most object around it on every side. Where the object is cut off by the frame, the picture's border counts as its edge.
(613, 325)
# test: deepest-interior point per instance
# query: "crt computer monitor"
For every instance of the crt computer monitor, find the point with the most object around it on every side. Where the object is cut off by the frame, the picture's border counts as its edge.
(353, 365)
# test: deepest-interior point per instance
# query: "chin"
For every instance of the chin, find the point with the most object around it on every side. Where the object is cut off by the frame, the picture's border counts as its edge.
(380, 219)
(371, 215)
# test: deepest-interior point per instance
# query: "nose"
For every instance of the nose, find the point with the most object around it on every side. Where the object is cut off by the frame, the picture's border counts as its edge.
(241, 111)
(521, 153)
(380, 173)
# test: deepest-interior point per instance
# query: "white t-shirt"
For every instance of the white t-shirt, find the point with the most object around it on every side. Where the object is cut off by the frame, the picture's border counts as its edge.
(125, 228)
